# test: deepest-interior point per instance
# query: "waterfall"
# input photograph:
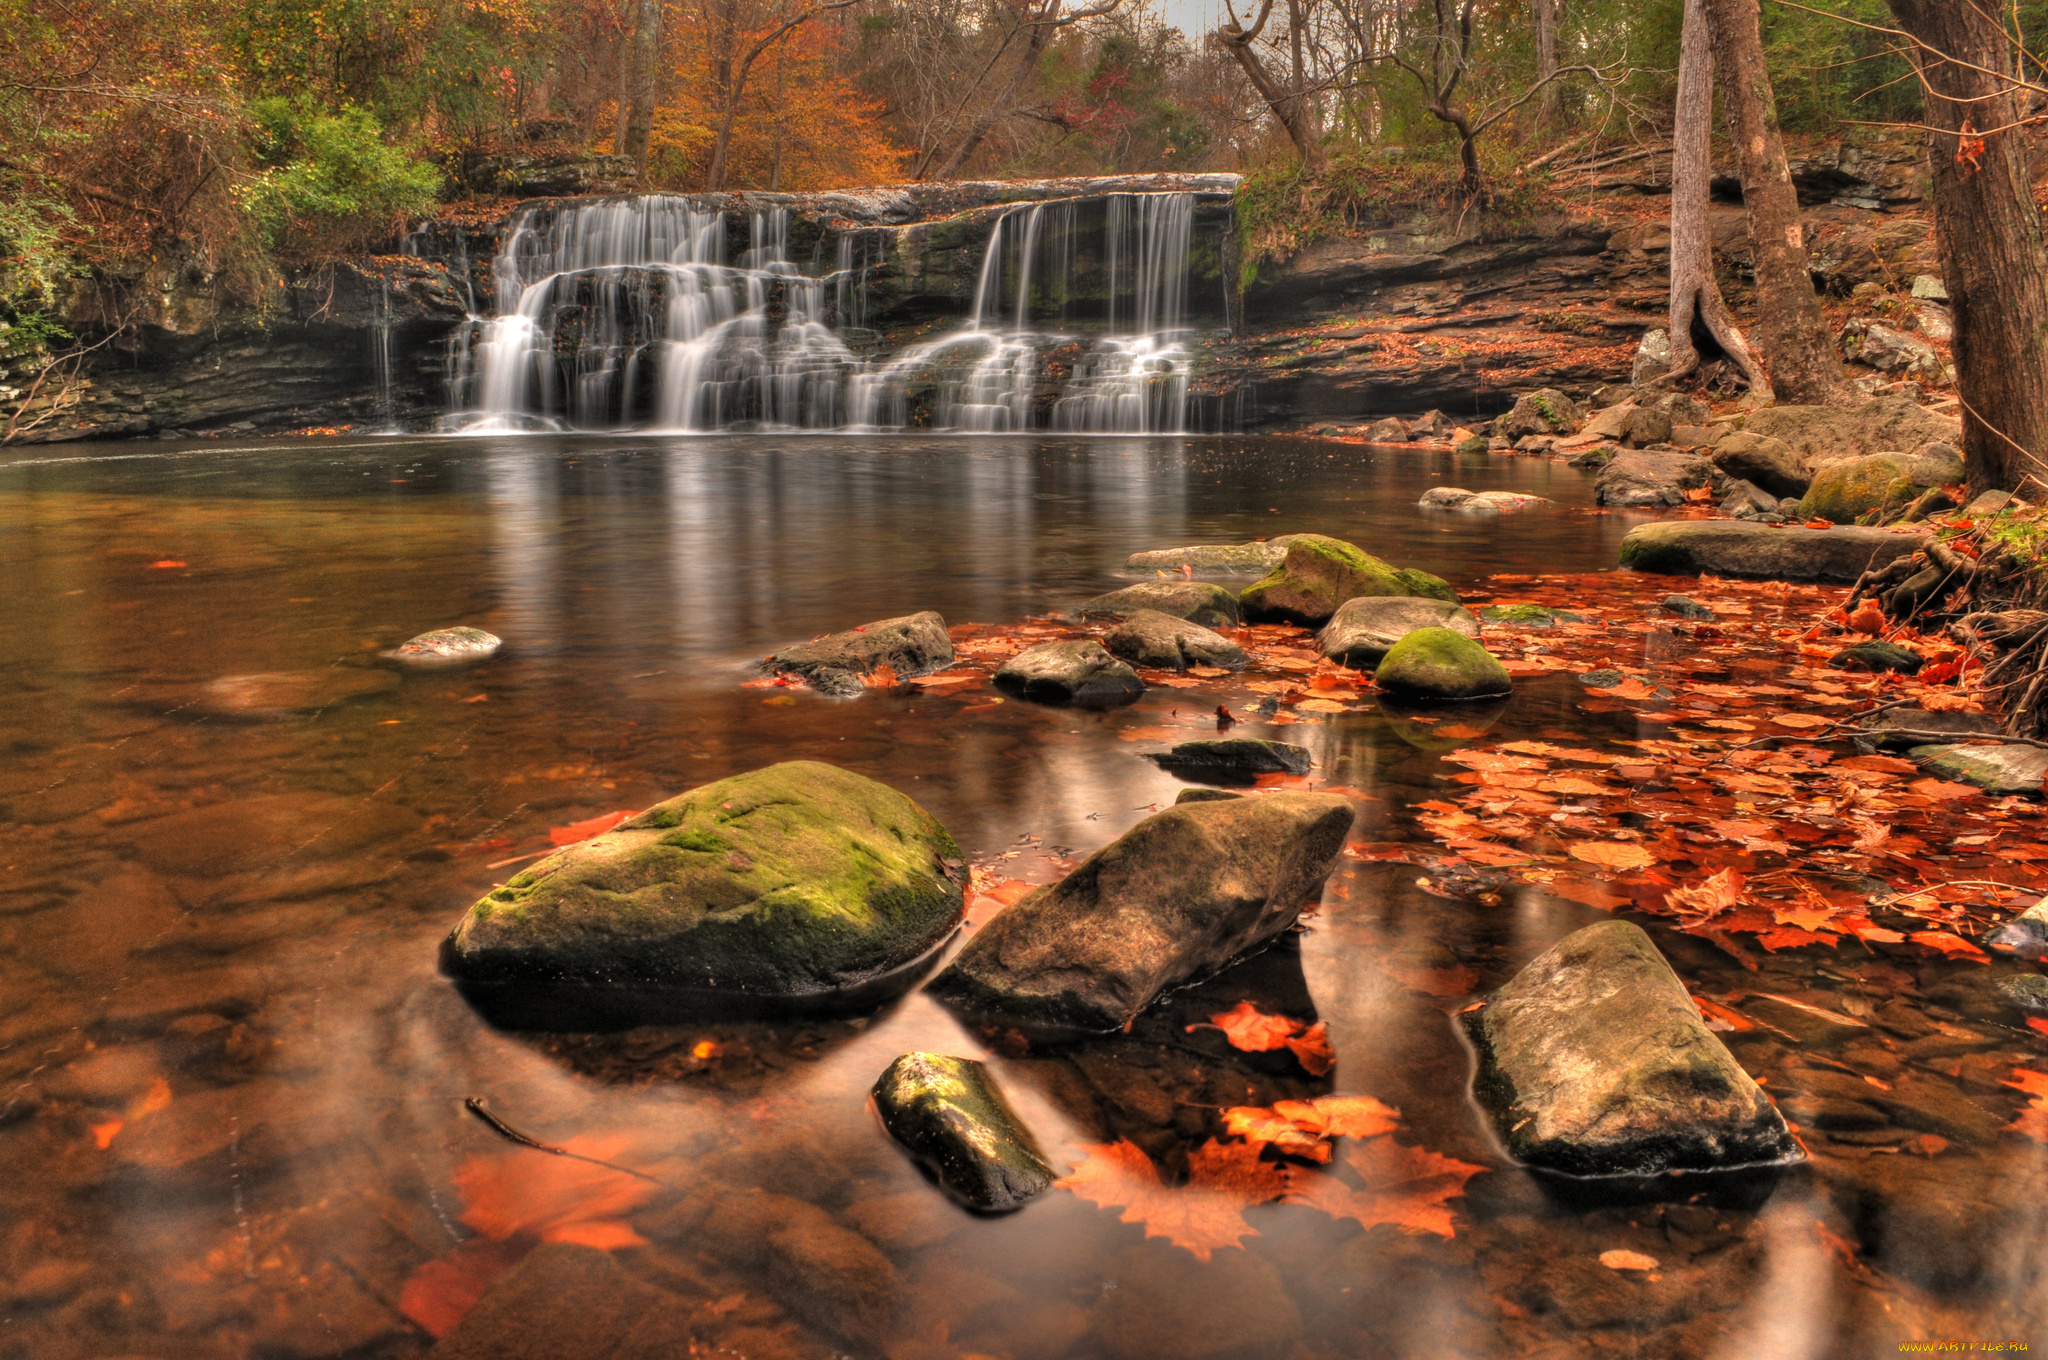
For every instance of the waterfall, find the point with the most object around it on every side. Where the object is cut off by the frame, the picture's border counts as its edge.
(634, 314)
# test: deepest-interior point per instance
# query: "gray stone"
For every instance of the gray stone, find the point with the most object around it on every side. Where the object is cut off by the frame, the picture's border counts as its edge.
(1884, 727)
(1387, 431)
(1680, 407)
(1150, 638)
(1929, 288)
(1594, 1062)
(1364, 630)
(952, 1118)
(1444, 497)
(1877, 655)
(1175, 898)
(2028, 991)
(1547, 411)
(1889, 351)
(1237, 756)
(1647, 426)
(445, 647)
(1746, 500)
(1994, 769)
(1612, 422)
(1642, 478)
(1441, 663)
(1430, 425)
(1934, 322)
(798, 881)
(1761, 552)
(915, 644)
(1880, 425)
(2025, 936)
(1482, 502)
(1653, 357)
(1529, 615)
(1766, 462)
(1079, 671)
(1228, 559)
(1598, 457)
(1992, 503)
(1211, 606)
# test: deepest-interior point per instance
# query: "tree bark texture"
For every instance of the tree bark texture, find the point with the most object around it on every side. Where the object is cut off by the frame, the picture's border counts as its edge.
(1695, 294)
(1989, 237)
(1804, 365)
(637, 126)
(1546, 14)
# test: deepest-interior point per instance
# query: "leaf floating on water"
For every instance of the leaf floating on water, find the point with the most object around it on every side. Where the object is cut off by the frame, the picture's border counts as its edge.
(881, 677)
(1312, 1049)
(587, 828)
(1708, 899)
(440, 1293)
(1251, 1029)
(2033, 1120)
(1955, 946)
(1613, 854)
(1224, 1179)
(1627, 1260)
(1404, 1186)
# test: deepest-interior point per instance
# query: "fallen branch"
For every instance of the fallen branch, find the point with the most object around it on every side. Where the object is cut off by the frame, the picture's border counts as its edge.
(476, 1106)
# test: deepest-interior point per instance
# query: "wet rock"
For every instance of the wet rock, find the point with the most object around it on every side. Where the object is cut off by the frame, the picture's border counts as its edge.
(1888, 726)
(275, 694)
(1165, 1303)
(915, 644)
(1653, 357)
(952, 1118)
(1211, 606)
(1547, 411)
(1320, 573)
(839, 683)
(1432, 664)
(1430, 425)
(1686, 608)
(830, 1276)
(1189, 889)
(1444, 497)
(1595, 1062)
(1457, 498)
(275, 832)
(2028, 991)
(1992, 503)
(1250, 559)
(1529, 615)
(1994, 769)
(1760, 551)
(1079, 671)
(1641, 478)
(1764, 461)
(1879, 425)
(2025, 936)
(568, 1302)
(1477, 443)
(801, 880)
(1201, 795)
(1877, 655)
(1864, 341)
(445, 647)
(1362, 631)
(1387, 431)
(1598, 457)
(1844, 492)
(1150, 638)
(1242, 757)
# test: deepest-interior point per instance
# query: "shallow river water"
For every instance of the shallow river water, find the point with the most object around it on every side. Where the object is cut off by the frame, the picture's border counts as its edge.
(232, 1082)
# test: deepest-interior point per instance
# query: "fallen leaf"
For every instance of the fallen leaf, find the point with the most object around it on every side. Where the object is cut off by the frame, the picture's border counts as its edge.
(587, 828)
(1708, 898)
(1321, 706)
(1403, 1186)
(1259, 1124)
(440, 1293)
(1627, 1260)
(1613, 854)
(1251, 1029)
(553, 1199)
(1224, 1179)
(1802, 720)
(1955, 946)
(1943, 790)
(1311, 1048)
(164, 565)
(881, 677)
(2033, 1120)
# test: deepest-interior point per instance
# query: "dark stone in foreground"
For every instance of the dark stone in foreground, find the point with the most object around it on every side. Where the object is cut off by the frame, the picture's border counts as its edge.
(1761, 552)
(445, 647)
(1687, 608)
(1432, 664)
(953, 1120)
(1246, 756)
(799, 881)
(1364, 630)
(1594, 1061)
(1079, 671)
(1173, 899)
(1211, 606)
(915, 644)
(1150, 638)
(1877, 655)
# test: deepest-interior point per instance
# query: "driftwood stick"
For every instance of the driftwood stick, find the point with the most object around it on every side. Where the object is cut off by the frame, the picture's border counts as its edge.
(511, 1135)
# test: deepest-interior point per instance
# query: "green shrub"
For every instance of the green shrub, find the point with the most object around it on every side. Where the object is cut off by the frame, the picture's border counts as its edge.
(331, 183)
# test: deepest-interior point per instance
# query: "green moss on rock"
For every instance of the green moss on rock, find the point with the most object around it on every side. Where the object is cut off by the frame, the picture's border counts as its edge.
(1438, 663)
(1320, 573)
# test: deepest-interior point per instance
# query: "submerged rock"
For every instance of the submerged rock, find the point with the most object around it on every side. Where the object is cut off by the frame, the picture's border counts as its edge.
(565, 1301)
(953, 1120)
(1320, 573)
(1362, 631)
(1441, 663)
(914, 644)
(2028, 991)
(798, 881)
(445, 647)
(1196, 601)
(1529, 615)
(1594, 1061)
(1760, 551)
(1173, 899)
(1458, 498)
(1886, 727)
(1230, 559)
(2025, 936)
(278, 694)
(1877, 655)
(1241, 756)
(1079, 671)
(1994, 769)
(1150, 638)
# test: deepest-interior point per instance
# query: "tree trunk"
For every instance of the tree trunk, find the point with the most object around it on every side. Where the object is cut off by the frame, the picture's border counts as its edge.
(999, 108)
(1989, 236)
(1804, 366)
(1546, 15)
(1296, 114)
(1695, 295)
(637, 129)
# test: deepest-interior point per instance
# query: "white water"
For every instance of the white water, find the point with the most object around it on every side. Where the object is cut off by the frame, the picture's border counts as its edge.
(626, 314)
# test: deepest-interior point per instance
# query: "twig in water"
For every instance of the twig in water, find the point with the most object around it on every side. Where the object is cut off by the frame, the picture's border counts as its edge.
(476, 1106)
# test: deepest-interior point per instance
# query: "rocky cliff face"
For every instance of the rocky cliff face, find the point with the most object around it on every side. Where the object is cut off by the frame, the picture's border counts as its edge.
(1413, 311)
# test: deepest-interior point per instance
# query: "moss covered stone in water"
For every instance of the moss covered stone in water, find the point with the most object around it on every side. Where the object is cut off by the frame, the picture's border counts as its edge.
(798, 880)
(1437, 663)
(1320, 573)
(953, 1120)
(1529, 615)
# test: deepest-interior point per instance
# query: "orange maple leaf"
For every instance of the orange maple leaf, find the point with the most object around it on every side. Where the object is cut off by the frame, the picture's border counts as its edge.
(1955, 946)
(1403, 1186)
(1311, 1048)
(584, 830)
(1251, 1029)
(1613, 854)
(1224, 1179)
(2033, 1120)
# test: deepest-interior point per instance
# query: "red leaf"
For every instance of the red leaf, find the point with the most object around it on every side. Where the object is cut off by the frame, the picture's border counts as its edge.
(1251, 1029)
(1312, 1048)
(589, 827)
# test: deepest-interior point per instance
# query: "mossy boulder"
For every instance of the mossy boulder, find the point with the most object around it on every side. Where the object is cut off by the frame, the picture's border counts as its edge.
(1547, 411)
(1441, 664)
(1884, 483)
(1320, 573)
(801, 881)
(1529, 615)
(948, 1114)
(1362, 631)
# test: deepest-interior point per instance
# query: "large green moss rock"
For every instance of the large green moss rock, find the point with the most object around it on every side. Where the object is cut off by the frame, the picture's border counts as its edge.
(1885, 482)
(798, 881)
(1320, 573)
(1441, 663)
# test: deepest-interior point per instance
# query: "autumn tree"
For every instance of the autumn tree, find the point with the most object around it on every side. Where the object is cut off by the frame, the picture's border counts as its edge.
(1033, 26)
(1293, 100)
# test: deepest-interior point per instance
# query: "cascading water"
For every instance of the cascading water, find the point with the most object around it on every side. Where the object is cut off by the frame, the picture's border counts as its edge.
(625, 314)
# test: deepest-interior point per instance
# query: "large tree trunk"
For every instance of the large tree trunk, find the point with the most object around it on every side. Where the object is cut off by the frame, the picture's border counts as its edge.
(1296, 114)
(1546, 15)
(1695, 294)
(1804, 366)
(1989, 236)
(637, 126)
